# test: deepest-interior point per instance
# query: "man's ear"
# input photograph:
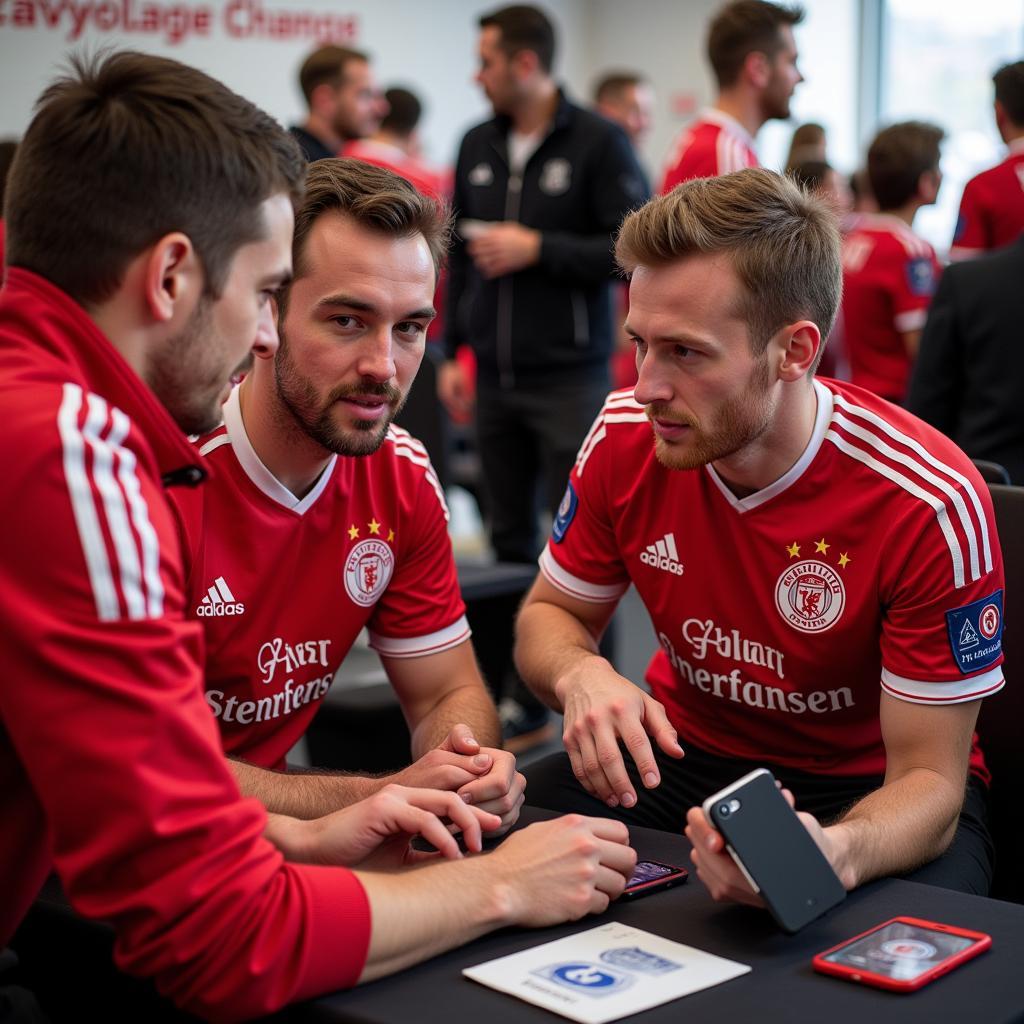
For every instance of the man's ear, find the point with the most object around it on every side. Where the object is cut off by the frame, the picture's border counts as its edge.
(172, 278)
(798, 346)
(525, 64)
(928, 186)
(321, 99)
(757, 69)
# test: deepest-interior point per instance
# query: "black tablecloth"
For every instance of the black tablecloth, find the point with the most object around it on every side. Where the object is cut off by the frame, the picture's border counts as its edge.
(781, 987)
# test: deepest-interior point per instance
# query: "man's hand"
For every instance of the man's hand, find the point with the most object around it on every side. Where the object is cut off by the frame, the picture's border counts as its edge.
(351, 835)
(600, 707)
(482, 776)
(715, 866)
(563, 869)
(453, 390)
(504, 248)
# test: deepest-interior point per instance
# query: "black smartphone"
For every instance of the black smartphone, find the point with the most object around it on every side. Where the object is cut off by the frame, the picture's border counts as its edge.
(774, 851)
(652, 876)
(903, 954)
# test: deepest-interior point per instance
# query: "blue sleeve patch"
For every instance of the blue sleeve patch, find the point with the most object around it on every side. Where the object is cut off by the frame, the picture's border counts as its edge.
(566, 514)
(976, 632)
(921, 276)
(961, 227)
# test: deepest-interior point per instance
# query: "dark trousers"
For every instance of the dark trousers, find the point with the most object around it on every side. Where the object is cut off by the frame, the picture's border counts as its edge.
(965, 867)
(528, 439)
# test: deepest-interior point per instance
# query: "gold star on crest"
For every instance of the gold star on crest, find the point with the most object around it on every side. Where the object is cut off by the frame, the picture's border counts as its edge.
(391, 536)
(353, 532)
(374, 526)
(821, 547)
(794, 550)
(844, 560)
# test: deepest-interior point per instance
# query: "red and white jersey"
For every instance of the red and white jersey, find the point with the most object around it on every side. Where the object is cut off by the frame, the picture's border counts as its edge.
(889, 277)
(283, 586)
(111, 769)
(713, 144)
(992, 207)
(873, 562)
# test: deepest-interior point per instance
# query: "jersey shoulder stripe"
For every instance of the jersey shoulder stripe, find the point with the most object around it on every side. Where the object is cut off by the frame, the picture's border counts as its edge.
(103, 485)
(619, 407)
(870, 439)
(405, 446)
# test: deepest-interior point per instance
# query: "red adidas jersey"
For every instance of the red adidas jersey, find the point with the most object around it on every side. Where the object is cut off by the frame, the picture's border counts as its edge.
(872, 562)
(992, 207)
(713, 144)
(283, 586)
(111, 769)
(889, 277)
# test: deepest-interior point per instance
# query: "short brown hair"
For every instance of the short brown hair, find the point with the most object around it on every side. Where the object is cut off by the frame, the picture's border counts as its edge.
(612, 85)
(327, 65)
(129, 147)
(376, 199)
(523, 27)
(1009, 83)
(783, 243)
(897, 158)
(744, 27)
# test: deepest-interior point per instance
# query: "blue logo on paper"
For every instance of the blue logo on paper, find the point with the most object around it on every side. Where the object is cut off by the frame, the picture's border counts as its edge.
(633, 958)
(566, 514)
(921, 276)
(976, 632)
(592, 979)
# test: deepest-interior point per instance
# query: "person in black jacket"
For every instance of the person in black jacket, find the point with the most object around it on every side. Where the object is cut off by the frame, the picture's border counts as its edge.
(970, 367)
(539, 192)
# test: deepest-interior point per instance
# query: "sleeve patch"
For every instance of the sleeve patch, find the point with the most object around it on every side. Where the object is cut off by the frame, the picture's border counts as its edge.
(976, 632)
(566, 514)
(961, 227)
(921, 276)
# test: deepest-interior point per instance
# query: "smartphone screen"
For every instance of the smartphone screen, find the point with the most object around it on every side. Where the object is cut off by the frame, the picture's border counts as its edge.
(651, 875)
(899, 951)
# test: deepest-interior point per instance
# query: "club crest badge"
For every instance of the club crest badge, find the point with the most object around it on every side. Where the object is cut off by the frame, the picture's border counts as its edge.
(556, 177)
(368, 570)
(810, 596)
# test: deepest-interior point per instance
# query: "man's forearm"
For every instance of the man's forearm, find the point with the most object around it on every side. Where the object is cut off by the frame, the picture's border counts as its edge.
(900, 826)
(550, 643)
(303, 794)
(470, 705)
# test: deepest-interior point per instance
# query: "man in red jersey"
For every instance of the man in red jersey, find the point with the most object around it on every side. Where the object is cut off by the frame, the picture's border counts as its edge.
(111, 772)
(889, 272)
(322, 518)
(992, 207)
(753, 56)
(821, 568)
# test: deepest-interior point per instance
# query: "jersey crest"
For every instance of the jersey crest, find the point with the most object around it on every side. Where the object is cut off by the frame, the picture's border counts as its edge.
(368, 570)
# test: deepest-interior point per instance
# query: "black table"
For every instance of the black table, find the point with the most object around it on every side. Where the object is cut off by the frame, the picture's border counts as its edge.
(781, 987)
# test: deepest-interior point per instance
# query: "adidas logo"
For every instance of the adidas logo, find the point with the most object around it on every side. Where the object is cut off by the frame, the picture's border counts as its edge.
(219, 601)
(662, 555)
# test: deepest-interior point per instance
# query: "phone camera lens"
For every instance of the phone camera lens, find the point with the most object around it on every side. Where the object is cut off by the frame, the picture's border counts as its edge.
(724, 810)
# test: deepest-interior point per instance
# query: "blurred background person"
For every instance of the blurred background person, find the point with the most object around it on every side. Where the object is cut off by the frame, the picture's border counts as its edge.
(969, 375)
(753, 55)
(343, 100)
(809, 143)
(889, 272)
(992, 207)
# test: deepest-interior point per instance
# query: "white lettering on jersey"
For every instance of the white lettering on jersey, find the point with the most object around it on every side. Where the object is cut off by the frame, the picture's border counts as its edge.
(734, 687)
(219, 601)
(662, 554)
(284, 702)
(276, 653)
(701, 634)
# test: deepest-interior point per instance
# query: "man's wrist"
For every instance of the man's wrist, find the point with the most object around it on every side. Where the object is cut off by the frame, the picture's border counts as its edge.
(290, 835)
(572, 676)
(841, 846)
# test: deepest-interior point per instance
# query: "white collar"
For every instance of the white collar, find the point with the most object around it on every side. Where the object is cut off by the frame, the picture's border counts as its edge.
(729, 123)
(257, 472)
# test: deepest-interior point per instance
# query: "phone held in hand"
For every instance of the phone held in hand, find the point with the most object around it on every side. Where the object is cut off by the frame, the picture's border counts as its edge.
(652, 876)
(903, 954)
(774, 851)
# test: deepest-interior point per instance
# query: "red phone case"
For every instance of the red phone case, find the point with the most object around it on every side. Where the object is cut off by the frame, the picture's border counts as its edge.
(678, 876)
(979, 943)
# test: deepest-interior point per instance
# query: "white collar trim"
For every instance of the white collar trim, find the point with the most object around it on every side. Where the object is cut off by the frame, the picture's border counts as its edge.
(258, 473)
(822, 419)
(729, 123)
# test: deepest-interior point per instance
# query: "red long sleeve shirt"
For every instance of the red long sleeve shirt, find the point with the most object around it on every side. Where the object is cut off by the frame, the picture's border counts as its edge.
(110, 763)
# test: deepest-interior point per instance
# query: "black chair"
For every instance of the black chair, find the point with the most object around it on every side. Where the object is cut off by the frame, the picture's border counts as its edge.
(1001, 721)
(992, 472)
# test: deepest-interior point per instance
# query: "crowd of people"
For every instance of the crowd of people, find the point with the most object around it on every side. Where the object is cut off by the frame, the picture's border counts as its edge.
(208, 499)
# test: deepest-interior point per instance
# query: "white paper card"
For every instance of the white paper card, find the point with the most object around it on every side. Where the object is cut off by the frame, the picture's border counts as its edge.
(605, 973)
